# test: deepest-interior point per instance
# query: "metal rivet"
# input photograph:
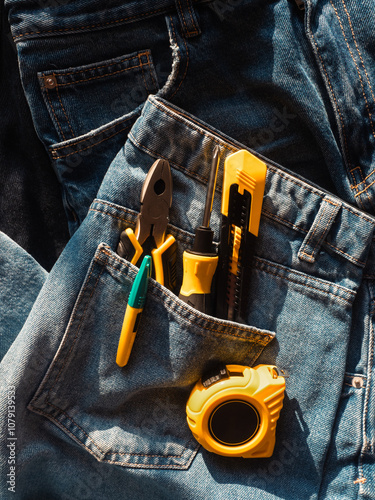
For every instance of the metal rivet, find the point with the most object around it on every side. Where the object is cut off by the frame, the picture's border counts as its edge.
(357, 382)
(50, 81)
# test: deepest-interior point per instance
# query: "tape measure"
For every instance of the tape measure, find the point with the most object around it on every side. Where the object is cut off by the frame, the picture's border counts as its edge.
(234, 410)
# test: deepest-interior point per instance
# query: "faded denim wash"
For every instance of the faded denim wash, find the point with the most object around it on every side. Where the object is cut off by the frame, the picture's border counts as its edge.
(94, 427)
(293, 85)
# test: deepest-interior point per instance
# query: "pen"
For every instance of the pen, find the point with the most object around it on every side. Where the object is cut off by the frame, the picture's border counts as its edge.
(133, 311)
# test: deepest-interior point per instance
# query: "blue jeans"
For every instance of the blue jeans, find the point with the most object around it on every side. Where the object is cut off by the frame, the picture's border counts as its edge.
(86, 428)
(74, 404)
(293, 85)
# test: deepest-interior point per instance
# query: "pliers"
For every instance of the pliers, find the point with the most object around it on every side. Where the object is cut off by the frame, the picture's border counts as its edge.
(149, 235)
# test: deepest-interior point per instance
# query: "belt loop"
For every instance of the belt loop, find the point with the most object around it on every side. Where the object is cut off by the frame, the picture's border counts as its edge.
(324, 219)
(188, 18)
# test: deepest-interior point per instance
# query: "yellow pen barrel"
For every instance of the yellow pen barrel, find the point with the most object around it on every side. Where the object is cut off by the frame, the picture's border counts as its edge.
(128, 332)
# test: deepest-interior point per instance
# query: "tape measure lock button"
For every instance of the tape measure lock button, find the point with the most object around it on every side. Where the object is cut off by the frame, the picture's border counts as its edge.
(234, 412)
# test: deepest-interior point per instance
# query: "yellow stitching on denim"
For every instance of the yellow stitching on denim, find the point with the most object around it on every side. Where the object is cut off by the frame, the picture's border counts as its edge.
(66, 116)
(91, 145)
(195, 31)
(150, 70)
(217, 332)
(101, 76)
(54, 114)
(94, 68)
(192, 19)
(336, 297)
(357, 47)
(261, 265)
(79, 325)
(182, 305)
(144, 79)
(146, 14)
(334, 98)
(94, 443)
(333, 214)
(365, 189)
(182, 234)
(293, 226)
(363, 178)
(189, 121)
(356, 65)
(315, 228)
(74, 143)
(326, 228)
(184, 169)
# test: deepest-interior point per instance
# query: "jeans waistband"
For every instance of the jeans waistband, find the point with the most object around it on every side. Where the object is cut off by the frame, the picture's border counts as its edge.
(30, 19)
(288, 199)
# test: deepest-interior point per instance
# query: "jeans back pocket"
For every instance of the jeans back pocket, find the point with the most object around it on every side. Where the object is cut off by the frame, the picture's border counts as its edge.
(135, 416)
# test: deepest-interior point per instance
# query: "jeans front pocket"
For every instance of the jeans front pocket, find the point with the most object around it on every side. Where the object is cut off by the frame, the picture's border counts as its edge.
(135, 416)
(84, 98)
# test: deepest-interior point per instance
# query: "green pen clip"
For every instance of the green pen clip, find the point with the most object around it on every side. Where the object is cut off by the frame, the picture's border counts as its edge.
(136, 302)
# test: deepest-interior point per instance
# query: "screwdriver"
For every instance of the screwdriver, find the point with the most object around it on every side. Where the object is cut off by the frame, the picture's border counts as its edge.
(200, 262)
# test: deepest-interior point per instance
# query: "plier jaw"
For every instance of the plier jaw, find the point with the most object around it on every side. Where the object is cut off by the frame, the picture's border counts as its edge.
(156, 200)
(149, 235)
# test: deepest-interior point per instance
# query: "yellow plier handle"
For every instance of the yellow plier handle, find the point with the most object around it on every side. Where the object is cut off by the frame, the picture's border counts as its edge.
(164, 257)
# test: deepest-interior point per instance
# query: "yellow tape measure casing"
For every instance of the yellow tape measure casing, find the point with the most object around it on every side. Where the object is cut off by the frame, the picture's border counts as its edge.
(234, 413)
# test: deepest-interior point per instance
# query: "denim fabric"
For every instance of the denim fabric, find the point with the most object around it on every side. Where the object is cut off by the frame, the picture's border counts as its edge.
(296, 87)
(21, 279)
(267, 74)
(87, 428)
(30, 197)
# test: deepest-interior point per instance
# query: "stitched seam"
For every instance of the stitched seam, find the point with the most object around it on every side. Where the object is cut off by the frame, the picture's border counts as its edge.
(102, 76)
(336, 297)
(183, 17)
(189, 123)
(356, 65)
(187, 57)
(190, 310)
(351, 257)
(314, 231)
(269, 213)
(293, 226)
(67, 355)
(91, 145)
(212, 137)
(261, 265)
(54, 114)
(151, 72)
(94, 68)
(66, 116)
(216, 332)
(166, 158)
(282, 220)
(93, 442)
(175, 229)
(370, 360)
(252, 353)
(187, 31)
(192, 18)
(54, 149)
(325, 229)
(334, 97)
(111, 452)
(356, 186)
(365, 189)
(357, 47)
(91, 26)
(144, 79)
